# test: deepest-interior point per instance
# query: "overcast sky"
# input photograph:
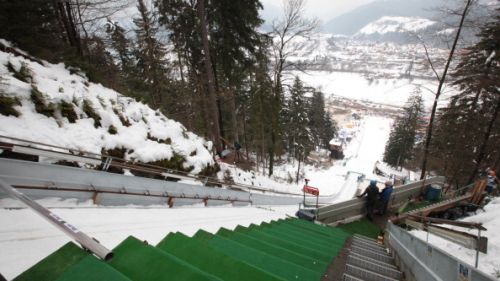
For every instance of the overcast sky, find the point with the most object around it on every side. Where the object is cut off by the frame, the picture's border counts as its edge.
(323, 9)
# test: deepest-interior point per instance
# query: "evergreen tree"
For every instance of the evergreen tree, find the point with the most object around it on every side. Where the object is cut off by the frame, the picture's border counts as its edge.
(469, 127)
(151, 54)
(37, 27)
(296, 113)
(405, 132)
(321, 125)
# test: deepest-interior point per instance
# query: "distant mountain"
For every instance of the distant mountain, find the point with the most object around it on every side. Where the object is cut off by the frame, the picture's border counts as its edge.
(351, 22)
(401, 30)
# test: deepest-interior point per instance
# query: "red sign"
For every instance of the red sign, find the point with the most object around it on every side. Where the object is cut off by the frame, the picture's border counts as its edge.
(311, 190)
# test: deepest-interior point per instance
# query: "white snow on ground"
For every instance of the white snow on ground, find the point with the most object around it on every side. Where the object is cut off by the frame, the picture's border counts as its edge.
(57, 84)
(26, 238)
(488, 263)
(383, 91)
(361, 153)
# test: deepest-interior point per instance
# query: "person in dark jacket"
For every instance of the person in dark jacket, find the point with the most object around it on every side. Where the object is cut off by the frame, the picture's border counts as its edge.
(385, 196)
(372, 194)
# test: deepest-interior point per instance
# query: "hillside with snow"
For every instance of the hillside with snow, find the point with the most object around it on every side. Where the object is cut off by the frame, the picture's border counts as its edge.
(57, 105)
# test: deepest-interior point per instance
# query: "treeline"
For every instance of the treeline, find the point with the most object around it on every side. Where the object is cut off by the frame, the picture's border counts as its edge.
(202, 63)
(466, 137)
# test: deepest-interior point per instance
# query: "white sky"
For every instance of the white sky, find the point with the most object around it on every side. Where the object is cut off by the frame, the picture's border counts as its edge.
(324, 9)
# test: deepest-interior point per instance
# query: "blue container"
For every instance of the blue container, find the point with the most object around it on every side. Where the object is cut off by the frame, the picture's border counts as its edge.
(433, 193)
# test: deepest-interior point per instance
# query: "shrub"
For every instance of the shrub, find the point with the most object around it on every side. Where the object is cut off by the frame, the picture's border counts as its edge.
(24, 74)
(68, 111)
(41, 106)
(7, 106)
(91, 113)
(176, 162)
(112, 130)
(210, 171)
(228, 178)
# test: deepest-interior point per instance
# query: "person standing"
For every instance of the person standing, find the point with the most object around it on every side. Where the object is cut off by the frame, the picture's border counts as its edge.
(492, 181)
(385, 196)
(371, 193)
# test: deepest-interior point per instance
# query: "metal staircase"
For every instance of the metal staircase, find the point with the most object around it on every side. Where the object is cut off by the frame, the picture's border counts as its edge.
(369, 261)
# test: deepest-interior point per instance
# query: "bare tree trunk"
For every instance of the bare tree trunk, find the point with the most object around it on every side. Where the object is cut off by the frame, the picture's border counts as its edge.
(73, 32)
(440, 87)
(232, 109)
(212, 95)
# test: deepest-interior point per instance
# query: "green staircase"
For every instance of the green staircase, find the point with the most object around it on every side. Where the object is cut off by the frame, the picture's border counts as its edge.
(288, 249)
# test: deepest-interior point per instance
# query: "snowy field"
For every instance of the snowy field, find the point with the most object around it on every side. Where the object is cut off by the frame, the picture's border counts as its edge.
(488, 263)
(393, 92)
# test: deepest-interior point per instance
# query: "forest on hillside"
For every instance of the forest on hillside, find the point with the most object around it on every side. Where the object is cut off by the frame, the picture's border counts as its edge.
(209, 65)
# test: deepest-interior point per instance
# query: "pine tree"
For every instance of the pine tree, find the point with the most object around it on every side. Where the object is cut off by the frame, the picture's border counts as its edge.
(405, 132)
(296, 113)
(469, 129)
(34, 26)
(321, 125)
(151, 54)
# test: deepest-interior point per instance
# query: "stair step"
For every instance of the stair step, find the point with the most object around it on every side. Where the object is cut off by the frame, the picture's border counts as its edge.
(139, 261)
(365, 274)
(281, 268)
(365, 239)
(199, 254)
(389, 265)
(374, 255)
(369, 246)
(348, 277)
(380, 269)
(92, 269)
(274, 250)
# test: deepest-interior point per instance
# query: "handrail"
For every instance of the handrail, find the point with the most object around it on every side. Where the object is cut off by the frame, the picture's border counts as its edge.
(70, 230)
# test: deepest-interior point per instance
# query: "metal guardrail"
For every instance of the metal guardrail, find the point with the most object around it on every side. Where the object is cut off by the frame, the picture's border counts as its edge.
(75, 155)
(40, 180)
(355, 208)
(423, 262)
(73, 232)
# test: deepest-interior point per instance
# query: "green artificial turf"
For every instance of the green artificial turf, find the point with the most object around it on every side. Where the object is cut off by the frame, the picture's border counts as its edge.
(141, 262)
(268, 263)
(53, 266)
(208, 259)
(92, 269)
(362, 227)
(274, 250)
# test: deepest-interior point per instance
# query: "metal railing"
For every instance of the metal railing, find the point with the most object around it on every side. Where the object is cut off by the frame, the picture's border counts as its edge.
(76, 155)
(422, 261)
(355, 208)
(87, 243)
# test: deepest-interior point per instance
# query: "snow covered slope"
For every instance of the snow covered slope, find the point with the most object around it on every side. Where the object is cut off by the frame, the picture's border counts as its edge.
(51, 104)
(398, 29)
(396, 24)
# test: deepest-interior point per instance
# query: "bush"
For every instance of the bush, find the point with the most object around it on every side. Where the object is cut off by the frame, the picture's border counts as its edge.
(91, 113)
(210, 171)
(24, 74)
(7, 106)
(228, 178)
(123, 119)
(112, 130)
(68, 111)
(41, 106)
(176, 162)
